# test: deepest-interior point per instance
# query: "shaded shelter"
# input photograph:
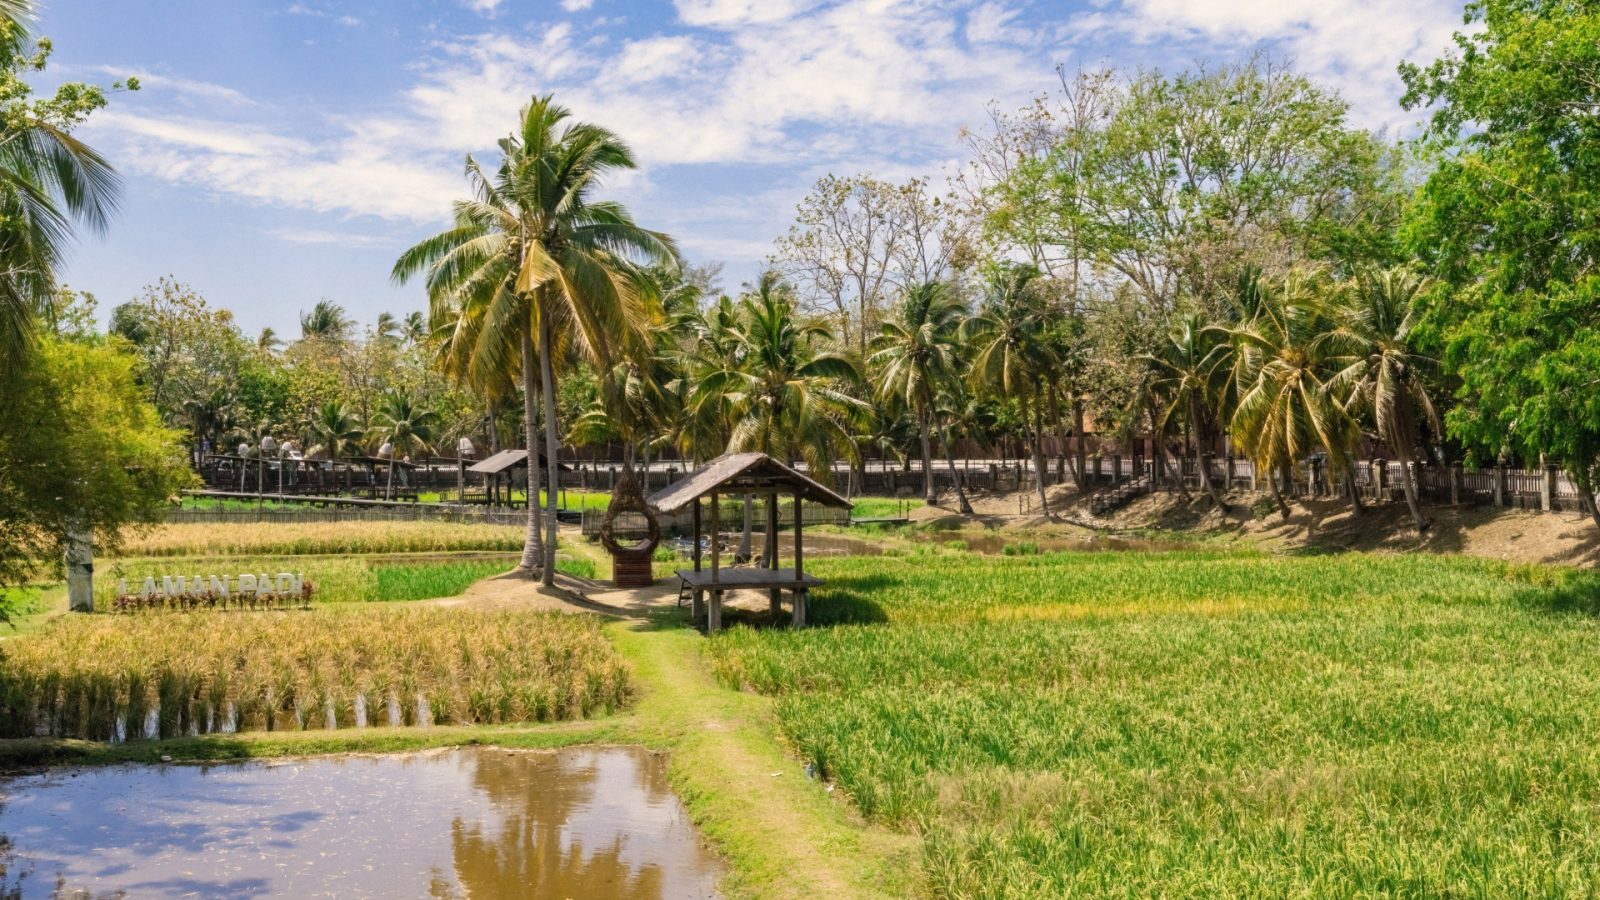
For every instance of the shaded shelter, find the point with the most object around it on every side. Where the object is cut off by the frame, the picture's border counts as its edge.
(737, 474)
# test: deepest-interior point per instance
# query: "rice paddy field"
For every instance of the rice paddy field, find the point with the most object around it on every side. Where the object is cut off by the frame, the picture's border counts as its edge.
(1204, 723)
(174, 674)
(336, 579)
(267, 539)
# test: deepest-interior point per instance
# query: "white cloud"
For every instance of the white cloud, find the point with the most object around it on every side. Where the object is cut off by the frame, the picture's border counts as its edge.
(576, 5)
(323, 237)
(483, 7)
(1352, 45)
(157, 83)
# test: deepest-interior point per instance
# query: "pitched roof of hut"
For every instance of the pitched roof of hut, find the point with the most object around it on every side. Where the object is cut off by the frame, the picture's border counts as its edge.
(741, 473)
(504, 460)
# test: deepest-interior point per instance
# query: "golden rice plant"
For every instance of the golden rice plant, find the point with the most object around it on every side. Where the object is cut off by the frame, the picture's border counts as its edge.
(173, 674)
(288, 539)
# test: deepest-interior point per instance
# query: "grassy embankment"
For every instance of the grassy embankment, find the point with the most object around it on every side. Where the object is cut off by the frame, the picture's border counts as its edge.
(1205, 724)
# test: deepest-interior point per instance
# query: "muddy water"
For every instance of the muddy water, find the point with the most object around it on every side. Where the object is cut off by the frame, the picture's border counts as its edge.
(591, 822)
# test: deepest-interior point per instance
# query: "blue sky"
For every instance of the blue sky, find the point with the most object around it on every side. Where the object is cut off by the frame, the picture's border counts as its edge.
(282, 152)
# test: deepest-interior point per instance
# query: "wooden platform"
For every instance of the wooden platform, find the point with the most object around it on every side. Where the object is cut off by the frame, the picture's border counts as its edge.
(773, 581)
(733, 579)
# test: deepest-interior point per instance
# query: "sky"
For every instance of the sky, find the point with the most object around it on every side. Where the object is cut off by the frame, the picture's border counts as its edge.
(284, 152)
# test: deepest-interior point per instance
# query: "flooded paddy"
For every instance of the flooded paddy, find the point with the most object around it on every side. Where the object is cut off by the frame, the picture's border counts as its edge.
(584, 822)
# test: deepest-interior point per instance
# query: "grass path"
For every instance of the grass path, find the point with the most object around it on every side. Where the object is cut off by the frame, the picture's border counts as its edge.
(783, 833)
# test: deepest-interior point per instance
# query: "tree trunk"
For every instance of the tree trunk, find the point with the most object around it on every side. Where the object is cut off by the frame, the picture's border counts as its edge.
(962, 504)
(533, 544)
(1350, 488)
(1203, 457)
(1082, 447)
(1586, 491)
(1277, 481)
(388, 487)
(1159, 448)
(552, 443)
(1038, 451)
(925, 427)
(1413, 500)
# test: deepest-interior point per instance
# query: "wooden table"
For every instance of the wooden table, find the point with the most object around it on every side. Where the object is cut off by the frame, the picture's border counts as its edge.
(706, 581)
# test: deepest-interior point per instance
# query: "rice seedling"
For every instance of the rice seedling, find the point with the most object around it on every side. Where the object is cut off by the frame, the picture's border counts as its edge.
(171, 674)
(1204, 723)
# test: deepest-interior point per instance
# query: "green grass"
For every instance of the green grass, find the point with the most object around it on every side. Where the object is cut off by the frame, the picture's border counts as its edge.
(1204, 724)
(883, 507)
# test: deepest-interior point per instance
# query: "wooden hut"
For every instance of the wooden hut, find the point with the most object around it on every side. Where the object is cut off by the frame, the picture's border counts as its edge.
(737, 474)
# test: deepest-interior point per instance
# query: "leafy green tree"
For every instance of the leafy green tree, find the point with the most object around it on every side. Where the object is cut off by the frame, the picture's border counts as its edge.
(1509, 221)
(80, 448)
(915, 354)
(546, 259)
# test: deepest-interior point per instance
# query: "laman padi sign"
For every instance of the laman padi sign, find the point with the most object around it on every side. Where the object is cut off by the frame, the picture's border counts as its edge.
(189, 591)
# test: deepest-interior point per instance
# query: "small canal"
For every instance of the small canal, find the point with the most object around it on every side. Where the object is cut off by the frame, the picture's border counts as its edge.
(479, 822)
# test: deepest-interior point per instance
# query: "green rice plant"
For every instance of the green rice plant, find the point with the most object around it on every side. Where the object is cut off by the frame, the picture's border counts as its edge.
(423, 581)
(576, 566)
(1204, 723)
(98, 677)
(1020, 548)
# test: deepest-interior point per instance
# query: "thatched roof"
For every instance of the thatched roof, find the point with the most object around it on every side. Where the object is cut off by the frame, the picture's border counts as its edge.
(741, 473)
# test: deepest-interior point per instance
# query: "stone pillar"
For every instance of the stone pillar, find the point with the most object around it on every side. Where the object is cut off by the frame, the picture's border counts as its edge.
(1228, 473)
(1380, 479)
(1547, 489)
(80, 570)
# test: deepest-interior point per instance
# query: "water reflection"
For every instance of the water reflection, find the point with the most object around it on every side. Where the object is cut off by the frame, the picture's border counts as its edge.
(488, 823)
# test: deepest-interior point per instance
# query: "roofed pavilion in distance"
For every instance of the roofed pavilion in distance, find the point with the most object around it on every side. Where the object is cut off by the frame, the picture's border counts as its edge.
(739, 474)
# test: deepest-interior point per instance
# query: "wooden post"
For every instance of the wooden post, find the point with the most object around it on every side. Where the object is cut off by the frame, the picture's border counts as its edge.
(698, 608)
(800, 593)
(1547, 489)
(774, 595)
(714, 614)
(1455, 484)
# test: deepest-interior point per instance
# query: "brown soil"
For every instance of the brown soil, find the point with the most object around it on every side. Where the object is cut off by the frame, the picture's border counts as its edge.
(1567, 538)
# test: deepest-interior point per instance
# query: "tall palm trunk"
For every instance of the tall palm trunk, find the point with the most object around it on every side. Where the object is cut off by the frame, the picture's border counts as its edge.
(962, 503)
(747, 541)
(1203, 455)
(1353, 492)
(1158, 446)
(552, 440)
(926, 427)
(1038, 449)
(533, 544)
(1412, 499)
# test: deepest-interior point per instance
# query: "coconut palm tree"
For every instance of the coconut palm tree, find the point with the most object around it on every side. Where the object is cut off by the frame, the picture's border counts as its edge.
(325, 321)
(546, 262)
(1376, 327)
(782, 392)
(1011, 350)
(916, 353)
(335, 432)
(1282, 359)
(49, 181)
(414, 330)
(1186, 366)
(387, 327)
(406, 428)
(268, 341)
